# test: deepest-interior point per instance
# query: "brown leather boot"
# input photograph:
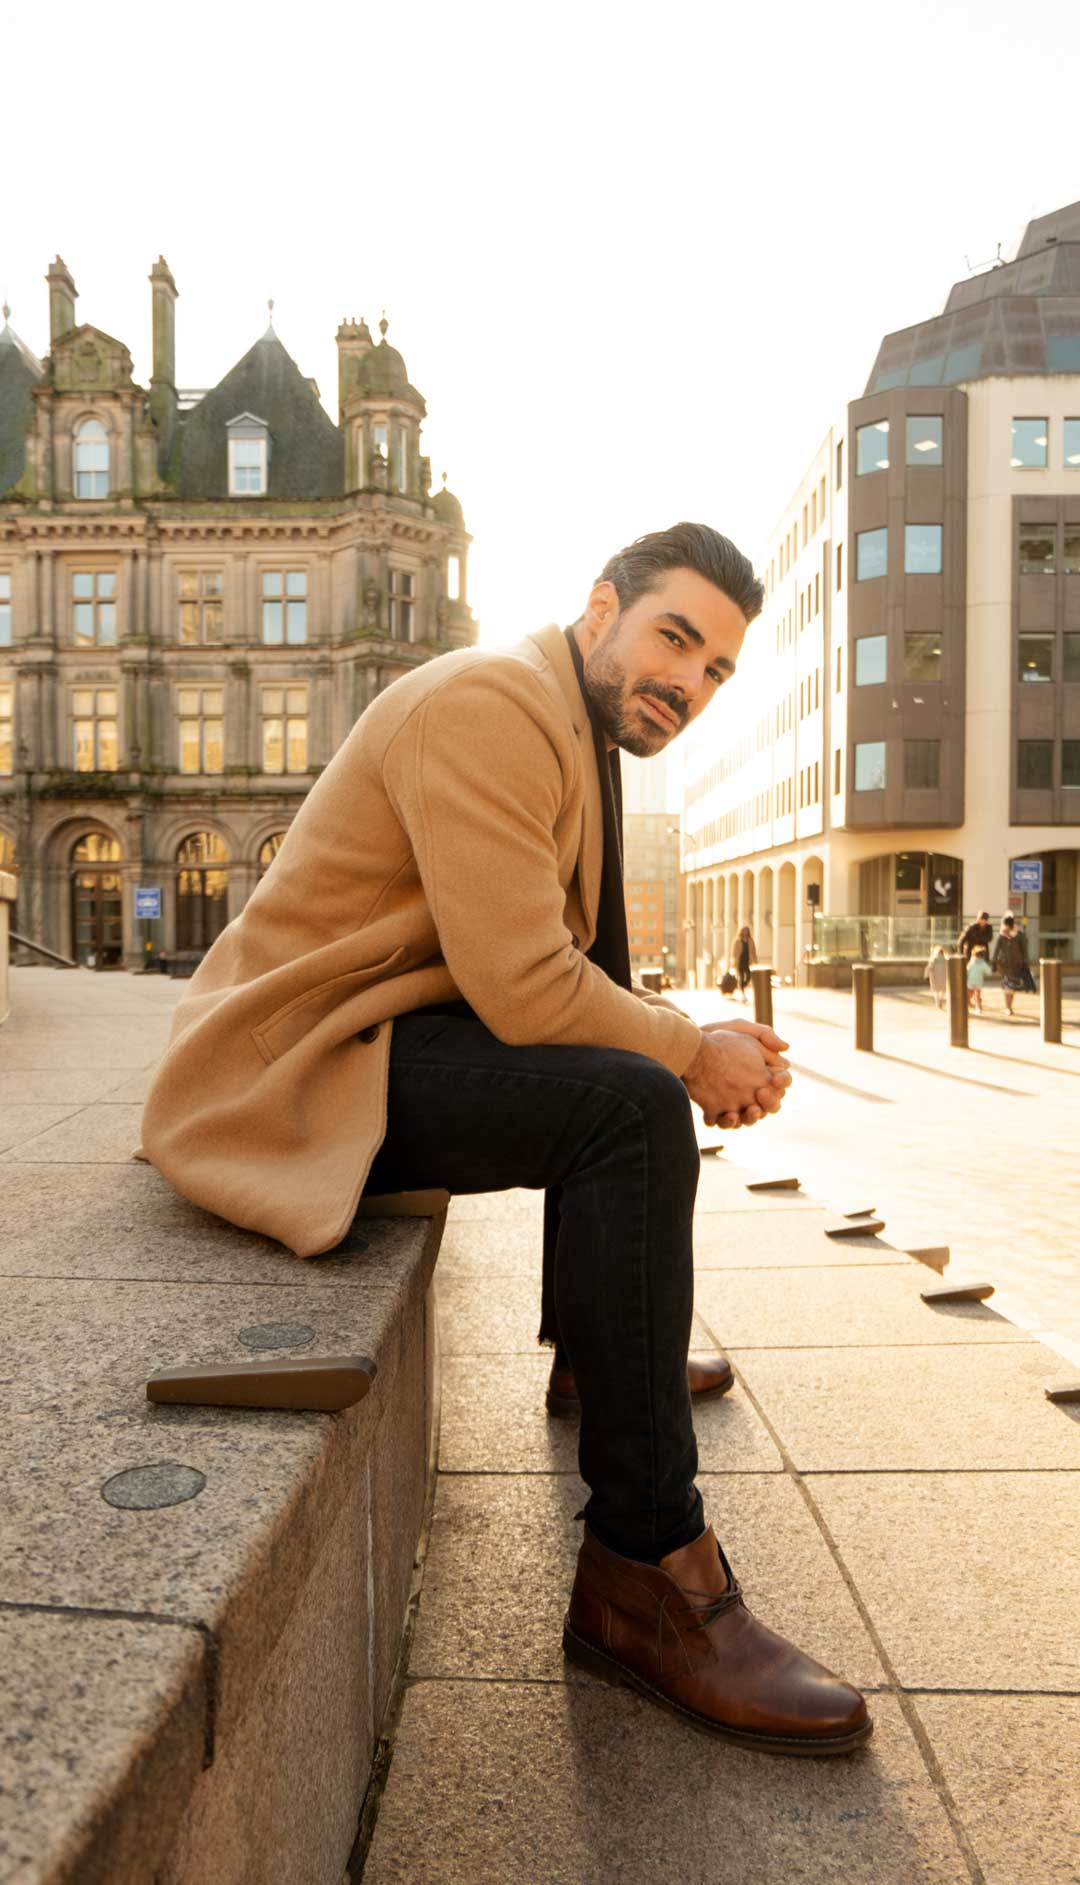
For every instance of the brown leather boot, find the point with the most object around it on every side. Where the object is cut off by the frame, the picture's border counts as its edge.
(708, 1376)
(680, 1633)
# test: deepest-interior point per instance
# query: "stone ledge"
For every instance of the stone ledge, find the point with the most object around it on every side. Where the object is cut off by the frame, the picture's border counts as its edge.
(169, 1666)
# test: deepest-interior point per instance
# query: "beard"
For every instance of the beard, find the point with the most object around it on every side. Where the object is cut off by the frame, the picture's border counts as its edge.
(613, 700)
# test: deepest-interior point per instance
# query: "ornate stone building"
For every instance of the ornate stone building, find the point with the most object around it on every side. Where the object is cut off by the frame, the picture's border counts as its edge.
(199, 594)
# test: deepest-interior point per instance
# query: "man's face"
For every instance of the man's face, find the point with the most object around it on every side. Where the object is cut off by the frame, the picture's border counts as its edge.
(653, 668)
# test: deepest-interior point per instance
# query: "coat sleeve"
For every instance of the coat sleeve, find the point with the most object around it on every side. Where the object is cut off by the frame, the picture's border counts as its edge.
(480, 777)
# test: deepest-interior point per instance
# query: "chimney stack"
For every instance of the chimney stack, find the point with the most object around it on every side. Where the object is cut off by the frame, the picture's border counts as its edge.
(63, 295)
(353, 341)
(163, 290)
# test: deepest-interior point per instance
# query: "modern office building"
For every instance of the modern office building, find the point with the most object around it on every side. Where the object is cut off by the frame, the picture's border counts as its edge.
(199, 594)
(908, 716)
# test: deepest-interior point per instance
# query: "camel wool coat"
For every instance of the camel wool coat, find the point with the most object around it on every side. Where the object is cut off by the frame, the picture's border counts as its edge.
(451, 850)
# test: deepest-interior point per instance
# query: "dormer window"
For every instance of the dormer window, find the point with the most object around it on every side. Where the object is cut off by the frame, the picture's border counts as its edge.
(249, 455)
(91, 459)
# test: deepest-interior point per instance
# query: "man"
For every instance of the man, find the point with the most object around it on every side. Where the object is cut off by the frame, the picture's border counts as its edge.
(979, 934)
(408, 1001)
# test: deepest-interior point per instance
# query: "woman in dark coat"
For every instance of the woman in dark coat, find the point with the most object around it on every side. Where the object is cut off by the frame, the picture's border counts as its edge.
(742, 955)
(1010, 956)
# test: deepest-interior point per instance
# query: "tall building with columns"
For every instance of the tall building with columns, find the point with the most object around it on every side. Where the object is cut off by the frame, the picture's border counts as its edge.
(907, 712)
(199, 594)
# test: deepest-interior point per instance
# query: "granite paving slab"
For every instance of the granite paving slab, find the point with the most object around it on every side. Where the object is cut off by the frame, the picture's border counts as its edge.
(862, 1306)
(95, 1709)
(491, 1247)
(972, 1579)
(99, 1133)
(61, 1221)
(493, 1420)
(63, 1087)
(723, 1187)
(914, 1409)
(743, 1240)
(1010, 1764)
(501, 1560)
(28, 1121)
(581, 1784)
(517, 1207)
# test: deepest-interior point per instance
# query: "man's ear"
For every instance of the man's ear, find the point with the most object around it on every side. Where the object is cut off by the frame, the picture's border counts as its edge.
(601, 612)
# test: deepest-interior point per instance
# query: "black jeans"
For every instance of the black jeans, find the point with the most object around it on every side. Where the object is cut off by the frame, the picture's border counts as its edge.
(614, 1132)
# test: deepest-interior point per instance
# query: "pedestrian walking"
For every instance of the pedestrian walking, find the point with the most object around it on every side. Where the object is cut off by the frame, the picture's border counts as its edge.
(936, 973)
(979, 934)
(432, 988)
(978, 972)
(1011, 959)
(742, 955)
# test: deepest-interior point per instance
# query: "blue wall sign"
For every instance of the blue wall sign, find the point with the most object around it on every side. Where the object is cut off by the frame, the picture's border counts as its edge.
(147, 905)
(1025, 876)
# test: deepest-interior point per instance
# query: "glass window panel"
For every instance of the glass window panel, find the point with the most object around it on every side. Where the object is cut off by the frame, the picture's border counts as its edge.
(962, 363)
(297, 582)
(189, 746)
(297, 621)
(922, 765)
(213, 745)
(273, 700)
(1072, 549)
(212, 700)
(922, 549)
(1038, 543)
(5, 586)
(872, 447)
(108, 759)
(297, 745)
(5, 747)
(870, 766)
(82, 585)
(84, 622)
(212, 582)
(1036, 659)
(247, 451)
(106, 583)
(1029, 442)
(1063, 353)
(212, 621)
(1035, 761)
(84, 746)
(187, 700)
(272, 626)
(187, 583)
(296, 700)
(927, 372)
(271, 582)
(870, 662)
(1072, 658)
(1070, 763)
(106, 702)
(378, 437)
(189, 623)
(871, 554)
(273, 749)
(925, 437)
(106, 617)
(1072, 444)
(82, 703)
(5, 624)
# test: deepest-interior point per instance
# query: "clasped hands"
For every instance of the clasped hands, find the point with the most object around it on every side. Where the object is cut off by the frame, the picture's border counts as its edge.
(738, 1073)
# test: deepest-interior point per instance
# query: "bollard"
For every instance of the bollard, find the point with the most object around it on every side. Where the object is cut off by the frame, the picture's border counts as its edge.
(862, 984)
(1050, 998)
(958, 1002)
(761, 977)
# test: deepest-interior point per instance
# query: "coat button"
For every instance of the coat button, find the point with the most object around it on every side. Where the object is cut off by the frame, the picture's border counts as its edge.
(369, 1034)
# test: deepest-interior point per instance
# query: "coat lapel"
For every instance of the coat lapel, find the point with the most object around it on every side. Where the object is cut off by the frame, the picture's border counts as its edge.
(591, 855)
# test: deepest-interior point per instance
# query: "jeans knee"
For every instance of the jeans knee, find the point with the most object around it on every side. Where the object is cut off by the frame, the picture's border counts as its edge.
(660, 1099)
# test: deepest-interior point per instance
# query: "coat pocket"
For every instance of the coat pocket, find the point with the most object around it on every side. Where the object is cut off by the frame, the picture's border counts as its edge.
(290, 1024)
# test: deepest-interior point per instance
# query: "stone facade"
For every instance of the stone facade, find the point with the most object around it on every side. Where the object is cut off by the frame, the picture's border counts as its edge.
(199, 594)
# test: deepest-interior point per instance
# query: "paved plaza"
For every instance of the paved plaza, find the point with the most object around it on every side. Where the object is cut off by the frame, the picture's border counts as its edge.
(894, 1489)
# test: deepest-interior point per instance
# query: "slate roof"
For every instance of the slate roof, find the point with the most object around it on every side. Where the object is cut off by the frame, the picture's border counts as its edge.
(20, 370)
(307, 456)
(1021, 317)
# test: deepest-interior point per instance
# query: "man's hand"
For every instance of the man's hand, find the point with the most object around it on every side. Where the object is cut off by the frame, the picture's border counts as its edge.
(767, 1036)
(737, 1075)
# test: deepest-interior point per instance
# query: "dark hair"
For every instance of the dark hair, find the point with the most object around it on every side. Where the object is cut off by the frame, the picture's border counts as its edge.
(639, 568)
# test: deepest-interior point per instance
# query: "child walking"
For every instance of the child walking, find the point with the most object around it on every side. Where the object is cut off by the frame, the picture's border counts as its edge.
(978, 972)
(936, 973)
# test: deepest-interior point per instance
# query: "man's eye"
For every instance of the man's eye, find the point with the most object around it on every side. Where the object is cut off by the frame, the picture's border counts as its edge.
(716, 677)
(670, 635)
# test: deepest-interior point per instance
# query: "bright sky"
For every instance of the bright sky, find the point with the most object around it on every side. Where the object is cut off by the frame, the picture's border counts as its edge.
(636, 257)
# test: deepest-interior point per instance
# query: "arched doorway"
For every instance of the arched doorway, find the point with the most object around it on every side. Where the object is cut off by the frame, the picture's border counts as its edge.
(765, 939)
(269, 849)
(97, 904)
(707, 942)
(784, 923)
(202, 890)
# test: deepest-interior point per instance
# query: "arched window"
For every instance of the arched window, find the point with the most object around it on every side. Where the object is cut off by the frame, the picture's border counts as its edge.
(91, 460)
(7, 853)
(202, 889)
(96, 848)
(268, 851)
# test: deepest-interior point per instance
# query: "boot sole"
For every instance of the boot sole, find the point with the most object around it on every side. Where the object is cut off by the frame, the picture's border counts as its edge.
(561, 1407)
(597, 1663)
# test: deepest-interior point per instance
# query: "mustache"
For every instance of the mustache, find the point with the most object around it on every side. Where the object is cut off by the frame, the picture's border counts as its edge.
(666, 696)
